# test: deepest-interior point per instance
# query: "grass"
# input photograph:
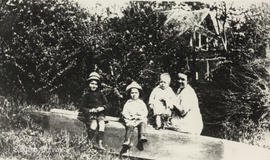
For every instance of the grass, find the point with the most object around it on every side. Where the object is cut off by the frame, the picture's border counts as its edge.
(35, 144)
(248, 132)
(261, 139)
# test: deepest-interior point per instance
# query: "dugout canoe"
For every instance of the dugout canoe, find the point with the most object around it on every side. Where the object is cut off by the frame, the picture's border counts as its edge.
(161, 145)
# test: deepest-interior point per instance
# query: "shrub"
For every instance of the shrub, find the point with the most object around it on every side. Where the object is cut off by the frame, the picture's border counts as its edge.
(13, 115)
(236, 104)
(43, 46)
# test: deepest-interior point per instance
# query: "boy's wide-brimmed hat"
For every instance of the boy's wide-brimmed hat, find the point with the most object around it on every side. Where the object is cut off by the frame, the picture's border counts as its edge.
(133, 85)
(94, 76)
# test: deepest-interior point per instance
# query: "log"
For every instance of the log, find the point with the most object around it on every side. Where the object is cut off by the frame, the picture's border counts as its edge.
(161, 145)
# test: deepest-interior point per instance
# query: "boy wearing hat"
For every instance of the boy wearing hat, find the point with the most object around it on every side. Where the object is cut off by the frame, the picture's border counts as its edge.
(91, 110)
(135, 114)
(162, 100)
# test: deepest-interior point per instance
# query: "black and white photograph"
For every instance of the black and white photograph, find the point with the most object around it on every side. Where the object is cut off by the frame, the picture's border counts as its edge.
(135, 79)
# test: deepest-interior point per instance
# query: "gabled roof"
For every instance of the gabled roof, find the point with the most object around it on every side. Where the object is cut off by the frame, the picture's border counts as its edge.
(189, 20)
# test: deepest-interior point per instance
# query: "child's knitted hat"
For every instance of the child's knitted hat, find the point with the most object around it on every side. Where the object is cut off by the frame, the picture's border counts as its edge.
(165, 77)
(94, 76)
(133, 85)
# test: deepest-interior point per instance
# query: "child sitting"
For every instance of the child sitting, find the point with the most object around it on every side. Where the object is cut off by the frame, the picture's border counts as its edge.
(91, 110)
(161, 101)
(135, 114)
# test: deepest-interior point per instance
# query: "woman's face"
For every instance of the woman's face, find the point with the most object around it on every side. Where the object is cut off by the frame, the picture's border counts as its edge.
(182, 82)
(134, 93)
(93, 85)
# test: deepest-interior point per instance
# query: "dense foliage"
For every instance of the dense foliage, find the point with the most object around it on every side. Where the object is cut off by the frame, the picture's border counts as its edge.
(51, 46)
(43, 45)
(236, 101)
(236, 104)
(249, 37)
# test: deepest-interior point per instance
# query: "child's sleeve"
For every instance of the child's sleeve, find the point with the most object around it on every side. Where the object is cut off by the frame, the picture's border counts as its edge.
(125, 112)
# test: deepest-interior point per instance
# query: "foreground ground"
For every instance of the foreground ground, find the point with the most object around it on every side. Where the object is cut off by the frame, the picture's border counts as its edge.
(34, 144)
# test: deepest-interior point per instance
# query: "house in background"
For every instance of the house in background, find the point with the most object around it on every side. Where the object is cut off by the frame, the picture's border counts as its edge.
(200, 24)
(267, 49)
(201, 27)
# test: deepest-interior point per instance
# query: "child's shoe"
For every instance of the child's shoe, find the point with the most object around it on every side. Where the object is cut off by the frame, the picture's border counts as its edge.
(158, 122)
(100, 145)
(158, 128)
(126, 143)
(143, 139)
(126, 146)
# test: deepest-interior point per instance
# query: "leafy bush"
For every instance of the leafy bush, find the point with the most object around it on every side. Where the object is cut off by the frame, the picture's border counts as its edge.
(138, 47)
(52, 46)
(43, 45)
(13, 115)
(236, 105)
(248, 36)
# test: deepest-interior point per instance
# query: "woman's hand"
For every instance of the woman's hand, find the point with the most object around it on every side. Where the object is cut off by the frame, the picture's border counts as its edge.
(99, 109)
(137, 117)
(171, 107)
(184, 113)
(93, 110)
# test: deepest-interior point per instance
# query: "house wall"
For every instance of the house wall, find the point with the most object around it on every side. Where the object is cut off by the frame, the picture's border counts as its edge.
(203, 67)
(267, 49)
